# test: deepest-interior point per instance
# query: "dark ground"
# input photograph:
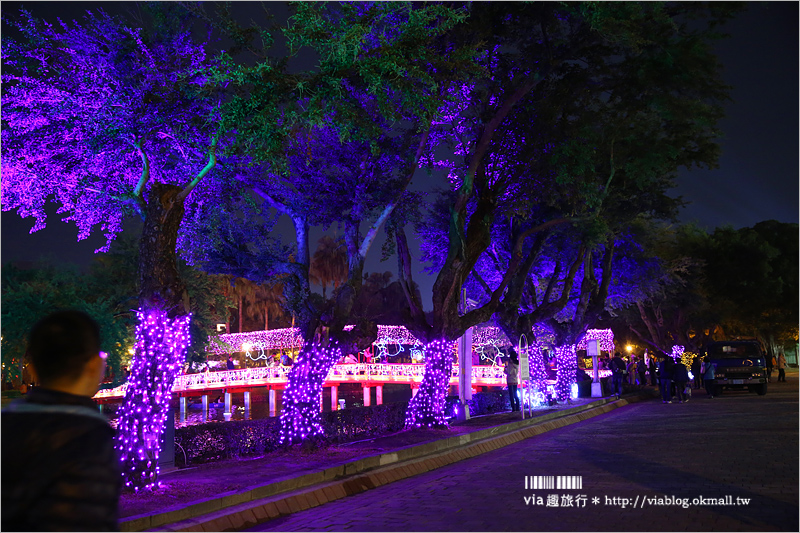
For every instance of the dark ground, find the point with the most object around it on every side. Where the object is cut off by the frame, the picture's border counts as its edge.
(739, 445)
(184, 486)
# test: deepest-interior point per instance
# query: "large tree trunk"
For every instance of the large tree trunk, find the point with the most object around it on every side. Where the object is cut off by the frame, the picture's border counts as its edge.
(162, 338)
(427, 407)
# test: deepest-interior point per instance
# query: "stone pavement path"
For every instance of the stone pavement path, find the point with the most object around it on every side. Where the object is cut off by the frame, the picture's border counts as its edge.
(740, 445)
(185, 486)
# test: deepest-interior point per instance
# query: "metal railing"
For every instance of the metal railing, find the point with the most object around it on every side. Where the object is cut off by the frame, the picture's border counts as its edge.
(358, 372)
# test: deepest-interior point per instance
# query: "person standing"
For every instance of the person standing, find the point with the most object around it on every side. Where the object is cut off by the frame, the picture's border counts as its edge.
(231, 365)
(642, 370)
(782, 367)
(618, 370)
(708, 377)
(680, 376)
(60, 470)
(652, 369)
(512, 379)
(770, 366)
(665, 367)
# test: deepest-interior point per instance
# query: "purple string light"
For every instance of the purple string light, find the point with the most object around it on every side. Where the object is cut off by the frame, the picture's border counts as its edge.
(161, 344)
(604, 338)
(536, 370)
(427, 407)
(300, 417)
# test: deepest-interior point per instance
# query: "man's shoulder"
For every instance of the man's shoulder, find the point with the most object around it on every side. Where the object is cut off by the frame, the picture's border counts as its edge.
(56, 425)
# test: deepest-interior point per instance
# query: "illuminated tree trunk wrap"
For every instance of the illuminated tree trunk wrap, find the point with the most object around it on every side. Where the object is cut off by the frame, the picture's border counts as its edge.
(427, 407)
(300, 418)
(538, 375)
(567, 361)
(161, 344)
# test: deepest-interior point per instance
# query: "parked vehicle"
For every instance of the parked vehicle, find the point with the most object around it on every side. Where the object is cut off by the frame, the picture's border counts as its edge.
(738, 365)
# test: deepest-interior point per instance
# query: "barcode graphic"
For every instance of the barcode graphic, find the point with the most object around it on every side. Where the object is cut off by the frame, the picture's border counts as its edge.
(540, 482)
(553, 482)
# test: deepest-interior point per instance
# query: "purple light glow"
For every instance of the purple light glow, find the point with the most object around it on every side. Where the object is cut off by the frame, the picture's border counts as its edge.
(161, 345)
(427, 407)
(300, 412)
(536, 370)
(567, 362)
(604, 338)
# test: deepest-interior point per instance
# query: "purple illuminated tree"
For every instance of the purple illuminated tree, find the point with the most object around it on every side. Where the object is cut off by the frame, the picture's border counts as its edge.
(360, 127)
(533, 148)
(109, 121)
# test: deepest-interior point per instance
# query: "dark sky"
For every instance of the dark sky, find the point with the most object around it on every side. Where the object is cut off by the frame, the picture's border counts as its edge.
(757, 178)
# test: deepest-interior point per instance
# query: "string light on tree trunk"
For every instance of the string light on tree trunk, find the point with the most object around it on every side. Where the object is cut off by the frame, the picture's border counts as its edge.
(426, 409)
(161, 344)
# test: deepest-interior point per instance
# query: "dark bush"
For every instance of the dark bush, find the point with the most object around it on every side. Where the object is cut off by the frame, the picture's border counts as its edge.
(213, 441)
(482, 403)
(222, 440)
(360, 423)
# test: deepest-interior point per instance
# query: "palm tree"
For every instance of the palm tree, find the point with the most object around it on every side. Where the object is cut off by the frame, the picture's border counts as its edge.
(329, 263)
(269, 297)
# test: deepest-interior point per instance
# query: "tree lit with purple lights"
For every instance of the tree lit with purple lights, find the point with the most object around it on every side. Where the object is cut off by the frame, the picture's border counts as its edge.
(560, 128)
(358, 136)
(112, 121)
(573, 147)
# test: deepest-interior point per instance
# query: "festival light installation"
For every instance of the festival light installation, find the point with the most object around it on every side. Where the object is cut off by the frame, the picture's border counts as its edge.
(300, 418)
(161, 344)
(604, 338)
(567, 362)
(271, 339)
(426, 409)
(678, 352)
(536, 370)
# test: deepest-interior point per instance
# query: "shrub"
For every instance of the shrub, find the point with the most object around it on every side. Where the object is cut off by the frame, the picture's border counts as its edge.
(482, 403)
(213, 441)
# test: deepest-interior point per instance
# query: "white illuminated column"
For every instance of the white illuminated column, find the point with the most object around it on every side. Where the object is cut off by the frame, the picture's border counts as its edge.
(593, 350)
(464, 374)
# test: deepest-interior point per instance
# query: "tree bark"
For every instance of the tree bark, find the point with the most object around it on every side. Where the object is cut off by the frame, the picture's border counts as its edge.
(162, 338)
(160, 284)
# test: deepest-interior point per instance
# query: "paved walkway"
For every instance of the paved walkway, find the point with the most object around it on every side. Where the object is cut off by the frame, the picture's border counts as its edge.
(208, 481)
(740, 445)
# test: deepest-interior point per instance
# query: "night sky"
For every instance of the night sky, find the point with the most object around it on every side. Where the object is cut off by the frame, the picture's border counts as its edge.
(757, 178)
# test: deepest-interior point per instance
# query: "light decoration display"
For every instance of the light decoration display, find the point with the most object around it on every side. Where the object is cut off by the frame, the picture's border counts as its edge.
(490, 335)
(427, 407)
(161, 344)
(491, 345)
(677, 351)
(685, 357)
(488, 341)
(605, 338)
(300, 418)
(398, 336)
(536, 370)
(271, 339)
(567, 362)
